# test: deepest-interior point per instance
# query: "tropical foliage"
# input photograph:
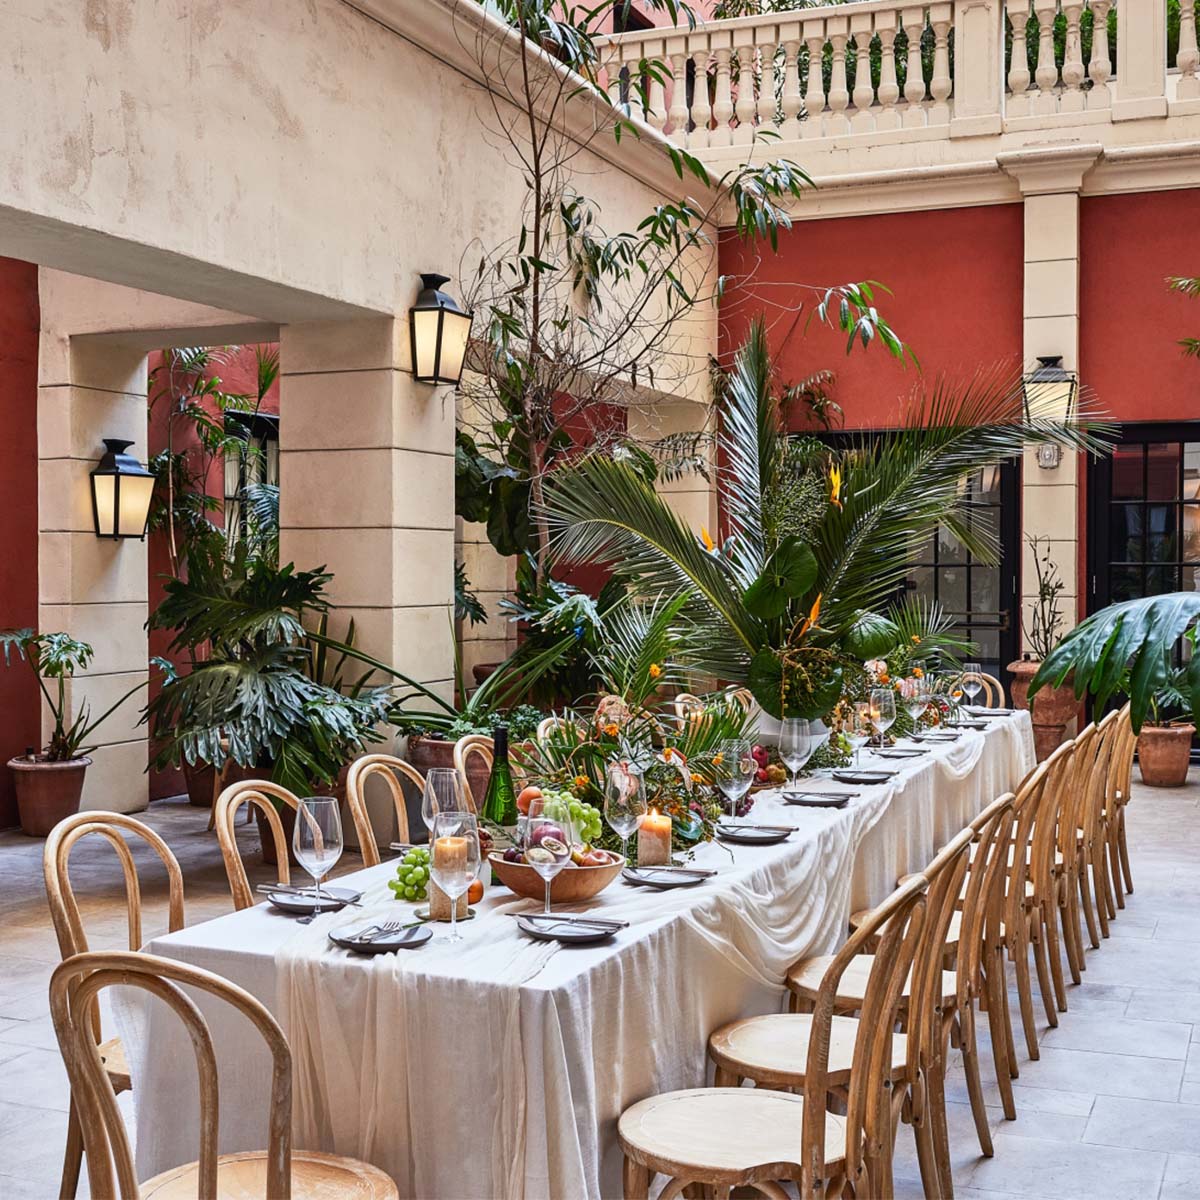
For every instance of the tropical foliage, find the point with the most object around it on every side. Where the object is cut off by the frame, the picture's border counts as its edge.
(788, 616)
(56, 657)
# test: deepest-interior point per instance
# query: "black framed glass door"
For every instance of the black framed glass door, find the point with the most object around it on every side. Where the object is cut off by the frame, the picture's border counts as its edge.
(982, 598)
(1144, 514)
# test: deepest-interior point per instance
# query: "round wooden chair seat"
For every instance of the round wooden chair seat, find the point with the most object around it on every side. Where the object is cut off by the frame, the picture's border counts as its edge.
(729, 1136)
(315, 1176)
(774, 1049)
(804, 979)
(112, 1055)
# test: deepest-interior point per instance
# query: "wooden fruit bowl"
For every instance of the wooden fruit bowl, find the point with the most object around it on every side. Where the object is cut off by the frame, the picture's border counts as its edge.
(569, 886)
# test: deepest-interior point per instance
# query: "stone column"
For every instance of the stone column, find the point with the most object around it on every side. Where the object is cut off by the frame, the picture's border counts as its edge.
(94, 589)
(367, 488)
(1050, 182)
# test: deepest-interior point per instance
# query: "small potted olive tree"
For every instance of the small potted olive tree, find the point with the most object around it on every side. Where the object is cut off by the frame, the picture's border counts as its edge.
(49, 785)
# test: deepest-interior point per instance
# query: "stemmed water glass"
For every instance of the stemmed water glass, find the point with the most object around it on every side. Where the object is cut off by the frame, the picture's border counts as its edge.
(858, 728)
(883, 710)
(972, 680)
(443, 793)
(317, 839)
(914, 695)
(548, 848)
(624, 802)
(455, 858)
(797, 744)
(735, 771)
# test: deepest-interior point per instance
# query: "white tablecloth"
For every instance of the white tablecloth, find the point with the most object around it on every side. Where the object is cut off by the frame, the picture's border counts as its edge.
(498, 1067)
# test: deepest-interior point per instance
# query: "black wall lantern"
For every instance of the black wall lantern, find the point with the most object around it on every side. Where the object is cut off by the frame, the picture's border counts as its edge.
(439, 330)
(121, 490)
(1050, 394)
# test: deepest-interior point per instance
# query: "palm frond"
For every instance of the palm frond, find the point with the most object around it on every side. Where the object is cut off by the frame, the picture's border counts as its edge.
(636, 653)
(901, 485)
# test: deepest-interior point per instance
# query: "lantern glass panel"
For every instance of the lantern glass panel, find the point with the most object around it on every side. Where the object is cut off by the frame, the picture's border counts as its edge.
(104, 489)
(134, 504)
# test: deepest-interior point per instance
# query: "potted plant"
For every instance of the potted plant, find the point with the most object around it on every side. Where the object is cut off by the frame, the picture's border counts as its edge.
(271, 695)
(49, 785)
(1129, 648)
(1164, 745)
(1056, 705)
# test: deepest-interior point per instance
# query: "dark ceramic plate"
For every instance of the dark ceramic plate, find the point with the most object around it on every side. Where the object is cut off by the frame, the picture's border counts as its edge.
(661, 879)
(403, 939)
(863, 777)
(332, 898)
(574, 932)
(817, 799)
(752, 837)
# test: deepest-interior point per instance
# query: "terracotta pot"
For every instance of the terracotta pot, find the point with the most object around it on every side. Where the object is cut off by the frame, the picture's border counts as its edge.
(1053, 708)
(1164, 754)
(47, 791)
(200, 779)
(425, 753)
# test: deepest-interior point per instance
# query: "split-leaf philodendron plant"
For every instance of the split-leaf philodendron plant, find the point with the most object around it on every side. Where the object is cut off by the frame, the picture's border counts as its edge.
(789, 616)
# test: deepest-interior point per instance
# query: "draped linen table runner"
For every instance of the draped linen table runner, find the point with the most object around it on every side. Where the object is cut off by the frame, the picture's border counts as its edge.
(497, 1067)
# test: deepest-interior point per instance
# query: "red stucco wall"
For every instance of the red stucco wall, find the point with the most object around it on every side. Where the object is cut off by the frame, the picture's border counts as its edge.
(19, 321)
(1130, 323)
(956, 282)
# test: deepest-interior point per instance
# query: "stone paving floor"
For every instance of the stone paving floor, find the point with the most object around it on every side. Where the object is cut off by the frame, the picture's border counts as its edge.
(1111, 1110)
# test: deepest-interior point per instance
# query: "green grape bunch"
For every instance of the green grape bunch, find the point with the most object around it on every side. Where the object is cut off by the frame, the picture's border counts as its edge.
(412, 875)
(564, 806)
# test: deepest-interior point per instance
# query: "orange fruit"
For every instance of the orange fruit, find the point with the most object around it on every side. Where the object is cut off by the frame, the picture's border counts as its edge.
(475, 891)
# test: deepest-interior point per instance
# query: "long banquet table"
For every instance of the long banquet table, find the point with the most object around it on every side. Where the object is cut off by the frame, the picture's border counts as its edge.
(497, 1067)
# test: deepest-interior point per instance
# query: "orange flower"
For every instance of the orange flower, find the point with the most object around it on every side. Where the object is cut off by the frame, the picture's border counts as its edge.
(957, 693)
(884, 678)
(580, 781)
(668, 753)
(918, 673)
(655, 670)
(813, 614)
(718, 759)
(916, 640)
(835, 486)
(708, 542)
(612, 729)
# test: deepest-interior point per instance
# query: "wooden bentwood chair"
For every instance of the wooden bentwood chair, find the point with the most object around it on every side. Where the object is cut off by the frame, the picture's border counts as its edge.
(390, 769)
(72, 940)
(727, 1137)
(275, 1172)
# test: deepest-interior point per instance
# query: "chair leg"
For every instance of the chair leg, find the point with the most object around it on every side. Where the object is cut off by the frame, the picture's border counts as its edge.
(1100, 873)
(1014, 1068)
(970, 1055)
(1123, 846)
(1072, 927)
(1114, 864)
(1043, 971)
(1087, 904)
(1025, 993)
(1002, 1033)
(1098, 884)
(926, 1152)
(723, 1077)
(1054, 953)
(73, 1158)
(941, 1133)
(635, 1180)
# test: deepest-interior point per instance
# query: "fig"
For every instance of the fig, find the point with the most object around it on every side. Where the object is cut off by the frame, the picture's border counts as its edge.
(542, 832)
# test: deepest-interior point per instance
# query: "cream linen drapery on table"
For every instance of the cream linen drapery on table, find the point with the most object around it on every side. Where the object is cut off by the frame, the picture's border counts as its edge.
(497, 1068)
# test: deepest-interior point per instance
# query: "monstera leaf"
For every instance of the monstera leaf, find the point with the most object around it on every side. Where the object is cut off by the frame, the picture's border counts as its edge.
(789, 573)
(1138, 637)
(870, 635)
(765, 680)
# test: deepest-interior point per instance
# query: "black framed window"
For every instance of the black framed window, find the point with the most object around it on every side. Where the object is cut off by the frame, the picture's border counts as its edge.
(258, 463)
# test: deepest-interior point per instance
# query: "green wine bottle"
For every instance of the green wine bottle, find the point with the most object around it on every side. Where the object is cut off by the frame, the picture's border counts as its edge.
(500, 800)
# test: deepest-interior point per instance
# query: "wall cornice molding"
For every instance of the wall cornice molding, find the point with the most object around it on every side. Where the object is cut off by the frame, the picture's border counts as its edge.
(1050, 170)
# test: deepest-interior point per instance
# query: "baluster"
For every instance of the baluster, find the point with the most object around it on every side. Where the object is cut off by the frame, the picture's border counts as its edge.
(939, 83)
(722, 108)
(791, 101)
(677, 114)
(631, 57)
(701, 108)
(743, 133)
(839, 96)
(1046, 74)
(1188, 58)
(656, 93)
(914, 80)
(888, 117)
(814, 95)
(1018, 71)
(612, 69)
(765, 41)
(1072, 70)
(1100, 66)
(863, 120)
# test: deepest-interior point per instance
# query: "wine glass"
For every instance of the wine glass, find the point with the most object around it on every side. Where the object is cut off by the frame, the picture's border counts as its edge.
(915, 697)
(455, 858)
(735, 772)
(548, 848)
(883, 710)
(624, 802)
(797, 744)
(317, 838)
(972, 680)
(858, 728)
(443, 793)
